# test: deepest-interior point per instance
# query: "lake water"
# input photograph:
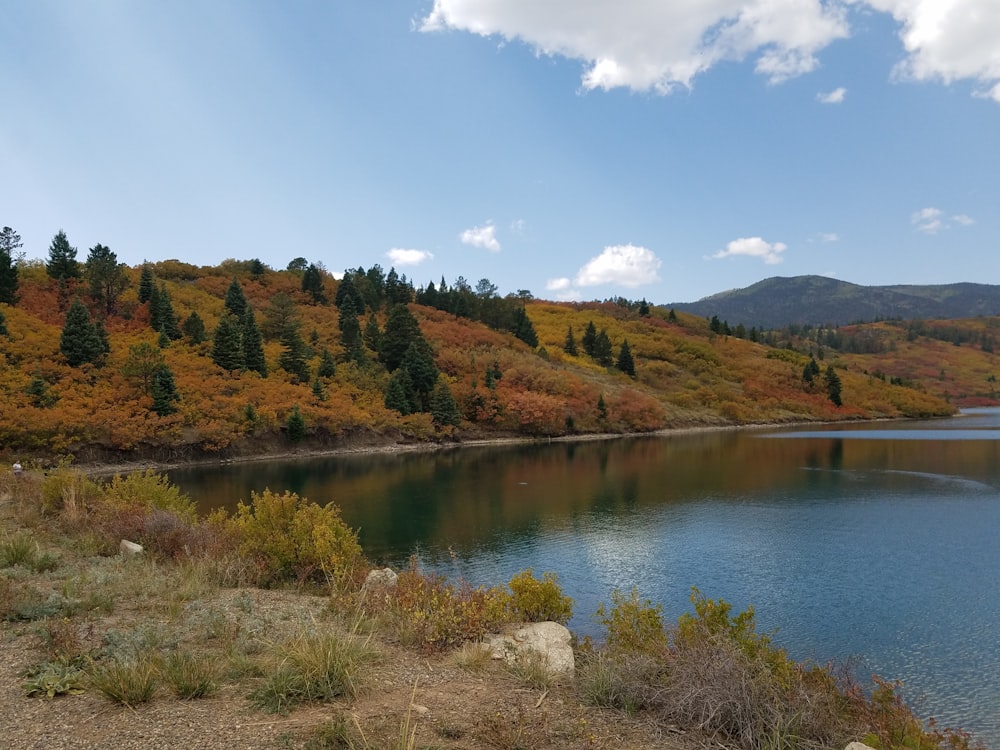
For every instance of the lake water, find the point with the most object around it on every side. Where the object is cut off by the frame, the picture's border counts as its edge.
(876, 542)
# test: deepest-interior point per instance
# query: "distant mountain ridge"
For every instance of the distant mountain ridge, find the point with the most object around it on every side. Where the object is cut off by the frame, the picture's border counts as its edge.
(818, 300)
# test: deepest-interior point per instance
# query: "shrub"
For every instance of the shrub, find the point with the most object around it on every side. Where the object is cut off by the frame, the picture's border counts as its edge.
(633, 626)
(148, 490)
(539, 601)
(69, 493)
(292, 538)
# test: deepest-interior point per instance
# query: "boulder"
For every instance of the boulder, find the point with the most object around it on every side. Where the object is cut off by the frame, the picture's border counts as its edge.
(550, 639)
(858, 746)
(129, 548)
(380, 580)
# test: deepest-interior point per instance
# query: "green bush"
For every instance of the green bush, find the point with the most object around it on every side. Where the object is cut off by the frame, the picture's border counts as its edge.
(539, 601)
(632, 625)
(147, 490)
(292, 538)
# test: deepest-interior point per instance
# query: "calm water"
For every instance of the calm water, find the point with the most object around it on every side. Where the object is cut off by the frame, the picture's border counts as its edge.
(877, 543)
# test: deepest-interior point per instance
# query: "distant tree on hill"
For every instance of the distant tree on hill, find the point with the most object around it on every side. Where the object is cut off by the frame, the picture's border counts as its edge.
(293, 357)
(327, 368)
(165, 395)
(236, 301)
(81, 341)
(444, 409)
(833, 386)
(147, 282)
(312, 283)
(10, 241)
(227, 348)
(811, 371)
(569, 346)
(523, 328)
(252, 344)
(589, 339)
(194, 328)
(106, 276)
(62, 264)
(401, 328)
(295, 425)
(161, 312)
(603, 352)
(3, 325)
(625, 362)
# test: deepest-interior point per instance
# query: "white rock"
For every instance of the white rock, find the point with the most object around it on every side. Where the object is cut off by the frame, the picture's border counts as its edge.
(129, 548)
(550, 639)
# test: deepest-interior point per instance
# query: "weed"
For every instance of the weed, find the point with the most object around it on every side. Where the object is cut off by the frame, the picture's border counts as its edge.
(532, 668)
(129, 681)
(61, 639)
(473, 656)
(19, 549)
(506, 729)
(190, 676)
(54, 678)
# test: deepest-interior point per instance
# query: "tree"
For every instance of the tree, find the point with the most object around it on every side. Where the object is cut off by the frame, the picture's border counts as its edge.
(141, 365)
(40, 394)
(373, 334)
(80, 341)
(570, 344)
(603, 352)
(297, 264)
(161, 312)
(257, 269)
(625, 362)
(312, 282)
(811, 371)
(147, 282)
(10, 241)
(399, 394)
(295, 425)
(236, 301)
(602, 407)
(401, 328)
(589, 338)
(3, 325)
(253, 345)
(644, 308)
(293, 355)
(350, 329)
(419, 365)
(194, 328)
(444, 408)
(833, 386)
(523, 328)
(279, 315)
(348, 291)
(164, 392)
(227, 349)
(327, 367)
(106, 276)
(62, 263)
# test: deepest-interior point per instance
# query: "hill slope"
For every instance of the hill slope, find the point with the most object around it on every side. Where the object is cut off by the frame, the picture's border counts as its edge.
(818, 300)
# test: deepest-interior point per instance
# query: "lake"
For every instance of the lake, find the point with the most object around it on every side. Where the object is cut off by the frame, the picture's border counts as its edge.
(878, 542)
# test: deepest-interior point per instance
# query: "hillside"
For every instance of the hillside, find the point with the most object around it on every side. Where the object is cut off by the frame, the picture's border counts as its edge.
(173, 375)
(819, 300)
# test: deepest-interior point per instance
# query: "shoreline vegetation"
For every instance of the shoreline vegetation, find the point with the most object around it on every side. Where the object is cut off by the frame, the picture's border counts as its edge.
(261, 628)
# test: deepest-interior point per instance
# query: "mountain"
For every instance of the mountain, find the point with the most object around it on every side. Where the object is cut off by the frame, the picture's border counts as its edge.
(819, 300)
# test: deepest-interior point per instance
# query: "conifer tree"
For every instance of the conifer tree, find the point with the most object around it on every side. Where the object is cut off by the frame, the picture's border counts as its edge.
(401, 328)
(147, 281)
(373, 334)
(293, 355)
(161, 313)
(318, 390)
(350, 328)
(625, 362)
(62, 263)
(312, 282)
(570, 344)
(253, 345)
(602, 407)
(399, 394)
(444, 408)
(194, 328)
(164, 392)
(106, 276)
(327, 367)
(603, 352)
(3, 325)
(523, 328)
(295, 425)
(227, 349)
(833, 386)
(589, 339)
(418, 362)
(80, 341)
(10, 241)
(236, 301)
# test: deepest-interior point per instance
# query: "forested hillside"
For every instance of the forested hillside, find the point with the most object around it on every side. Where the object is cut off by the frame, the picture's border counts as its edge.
(170, 361)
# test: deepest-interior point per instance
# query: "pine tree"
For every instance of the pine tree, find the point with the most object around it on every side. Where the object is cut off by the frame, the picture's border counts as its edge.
(257, 269)
(80, 341)
(62, 263)
(401, 328)
(227, 349)
(602, 407)
(161, 313)
(3, 325)
(194, 328)
(350, 328)
(41, 397)
(253, 345)
(444, 409)
(589, 339)
(523, 328)
(147, 281)
(625, 362)
(293, 356)
(312, 282)
(106, 276)
(164, 392)
(603, 352)
(570, 344)
(644, 308)
(327, 367)
(10, 241)
(833, 386)
(318, 390)
(373, 334)
(295, 425)
(418, 362)
(399, 394)
(811, 371)
(236, 301)
(347, 290)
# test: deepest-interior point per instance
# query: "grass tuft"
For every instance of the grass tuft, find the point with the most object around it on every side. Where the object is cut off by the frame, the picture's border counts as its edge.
(129, 681)
(190, 676)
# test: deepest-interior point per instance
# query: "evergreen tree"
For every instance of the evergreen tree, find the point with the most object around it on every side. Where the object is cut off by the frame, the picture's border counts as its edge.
(602, 407)
(327, 367)
(141, 365)
(227, 349)
(3, 325)
(444, 408)
(833, 386)
(194, 328)
(625, 362)
(147, 282)
(589, 339)
(312, 282)
(523, 328)
(236, 301)
(401, 328)
(41, 397)
(62, 263)
(293, 355)
(399, 394)
(672, 316)
(373, 334)
(253, 345)
(811, 371)
(106, 276)
(350, 328)
(10, 241)
(164, 392)
(278, 316)
(644, 308)
(419, 365)
(257, 269)
(715, 325)
(603, 352)
(80, 341)
(570, 344)
(161, 313)
(318, 390)
(103, 339)
(295, 425)
(348, 291)
(162, 339)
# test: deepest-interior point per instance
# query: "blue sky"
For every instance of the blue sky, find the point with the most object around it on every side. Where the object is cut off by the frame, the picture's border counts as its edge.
(580, 149)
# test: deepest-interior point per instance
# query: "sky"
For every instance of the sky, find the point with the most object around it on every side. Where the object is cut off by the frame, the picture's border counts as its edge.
(577, 149)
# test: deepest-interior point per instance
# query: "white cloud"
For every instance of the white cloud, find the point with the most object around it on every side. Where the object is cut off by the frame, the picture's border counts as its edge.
(625, 265)
(948, 41)
(832, 97)
(928, 220)
(484, 236)
(405, 257)
(829, 237)
(754, 247)
(964, 219)
(648, 46)
(558, 285)
(517, 226)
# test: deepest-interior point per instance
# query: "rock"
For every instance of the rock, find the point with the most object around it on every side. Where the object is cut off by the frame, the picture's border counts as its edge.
(858, 746)
(550, 639)
(379, 580)
(129, 548)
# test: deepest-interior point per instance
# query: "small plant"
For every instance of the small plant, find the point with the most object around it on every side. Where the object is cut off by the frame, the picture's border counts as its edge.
(53, 679)
(532, 668)
(473, 656)
(129, 681)
(506, 729)
(190, 676)
(632, 625)
(539, 601)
